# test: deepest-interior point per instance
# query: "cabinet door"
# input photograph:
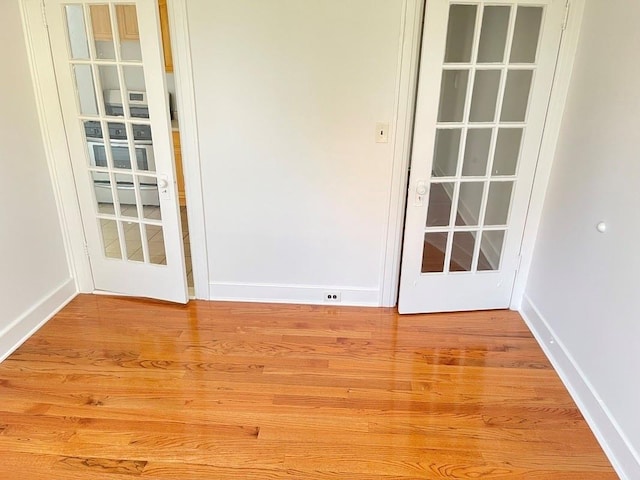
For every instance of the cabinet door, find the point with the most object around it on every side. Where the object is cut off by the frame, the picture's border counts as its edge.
(127, 22)
(166, 39)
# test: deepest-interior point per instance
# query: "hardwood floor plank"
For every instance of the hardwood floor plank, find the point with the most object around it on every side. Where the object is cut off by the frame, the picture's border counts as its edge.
(115, 388)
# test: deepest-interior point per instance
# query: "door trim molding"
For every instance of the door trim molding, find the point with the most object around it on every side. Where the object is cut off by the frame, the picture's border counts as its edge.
(406, 94)
(55, 142)
(189, 143)
(547, 153)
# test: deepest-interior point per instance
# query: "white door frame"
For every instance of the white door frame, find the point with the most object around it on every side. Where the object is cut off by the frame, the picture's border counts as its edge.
(58, 156)
(559, 92)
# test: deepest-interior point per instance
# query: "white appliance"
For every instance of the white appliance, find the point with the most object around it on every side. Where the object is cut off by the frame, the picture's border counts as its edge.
(120, 153)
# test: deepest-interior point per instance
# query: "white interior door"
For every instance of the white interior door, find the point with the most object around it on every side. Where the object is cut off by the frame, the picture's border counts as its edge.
(108, 62)
(485, 78)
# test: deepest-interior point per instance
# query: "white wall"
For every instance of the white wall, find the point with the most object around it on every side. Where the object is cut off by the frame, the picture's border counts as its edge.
(584, 284)
(34, 276)
(296, 190)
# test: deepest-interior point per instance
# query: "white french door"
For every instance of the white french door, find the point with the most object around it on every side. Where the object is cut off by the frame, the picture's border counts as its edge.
(108, 63)
(485, 79)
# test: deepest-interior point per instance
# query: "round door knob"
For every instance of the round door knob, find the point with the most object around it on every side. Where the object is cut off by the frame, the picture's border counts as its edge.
(162, 183)
(601, 227)
(422, 189)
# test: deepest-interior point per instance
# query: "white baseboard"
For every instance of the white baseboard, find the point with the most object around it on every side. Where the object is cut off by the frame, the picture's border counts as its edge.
(305, 294)
(624, 458)
(20, 329)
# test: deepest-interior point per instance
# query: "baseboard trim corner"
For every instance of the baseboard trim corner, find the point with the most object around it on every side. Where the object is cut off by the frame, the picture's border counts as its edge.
(297, 294)
(20, 329)
(621, 454)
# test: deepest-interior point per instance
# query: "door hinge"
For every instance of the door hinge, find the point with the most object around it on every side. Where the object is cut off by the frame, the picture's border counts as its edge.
(566, 16)
(43, 9)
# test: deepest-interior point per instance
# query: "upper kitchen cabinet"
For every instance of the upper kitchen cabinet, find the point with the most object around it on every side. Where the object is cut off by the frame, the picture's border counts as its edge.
(127, 22)
(166, 39)
(128, 26)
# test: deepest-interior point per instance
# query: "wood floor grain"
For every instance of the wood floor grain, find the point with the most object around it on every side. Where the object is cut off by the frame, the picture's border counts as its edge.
(115, 388)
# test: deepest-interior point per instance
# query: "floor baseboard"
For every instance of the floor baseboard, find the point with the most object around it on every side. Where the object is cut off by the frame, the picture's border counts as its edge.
(20, 329)
(618, 449)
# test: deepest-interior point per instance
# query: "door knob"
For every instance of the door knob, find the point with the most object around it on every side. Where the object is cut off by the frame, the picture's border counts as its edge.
(421, 189)
(163, 183)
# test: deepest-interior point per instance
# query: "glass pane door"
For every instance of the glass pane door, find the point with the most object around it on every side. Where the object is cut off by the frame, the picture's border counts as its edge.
(111, 83)
(485, 80)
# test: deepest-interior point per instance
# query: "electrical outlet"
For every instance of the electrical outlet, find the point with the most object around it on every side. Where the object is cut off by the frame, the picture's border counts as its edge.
(332, 297)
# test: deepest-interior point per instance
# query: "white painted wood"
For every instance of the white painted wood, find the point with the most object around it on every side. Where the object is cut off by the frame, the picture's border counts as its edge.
(133, 278)
(482, 290)
(18, 331)
(305, 294)
(55, 142)
(549, 144)
(619, 449)
(405, 109)
(183, 74)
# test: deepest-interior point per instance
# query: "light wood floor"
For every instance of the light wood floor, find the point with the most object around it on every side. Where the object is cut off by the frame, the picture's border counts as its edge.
(121, 388)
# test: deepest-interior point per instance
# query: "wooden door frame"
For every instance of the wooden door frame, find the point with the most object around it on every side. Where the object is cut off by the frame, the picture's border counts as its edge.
(553, 121)
(58, 156)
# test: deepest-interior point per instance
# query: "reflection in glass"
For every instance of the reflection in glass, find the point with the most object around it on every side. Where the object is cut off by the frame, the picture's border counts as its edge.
(469, 202)
(476, 152)
(110, 239)
(526, 35)
(127, 195)
(445, 157)
(498, 203)
(102, 32)
(103, 192)
(111, 90)
(485, 95)
(507, 151)
(86, 91)
(462, 21)
(77, 32)
(516, 95)
(133, 241)
(433, 253)
(462, 251)
(493, 36)
(155, 239)
(439, 210)
(452, 95)
(491, 250)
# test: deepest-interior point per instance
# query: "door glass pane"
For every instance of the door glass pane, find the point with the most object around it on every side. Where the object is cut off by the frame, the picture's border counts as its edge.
(453, 95)
(462, 251)
(85, 89)
(498, 203)
(445, 157)
(485, 95)
(133, 241)
(152, 212)
(128, 32)
(119, 146)
(134, 81)
(526, 35)
(433, 253)
(469, 202)
(125, 187)
(77, 32)
(155, 239)
(491, 250)
(507, 151)
(110, 239)
(103, 192)
(102, 32)
(516, 95)
(149, 193)
(462, 21)
(493, 36)
(439, 212)
(476, 152)
(111, 90)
